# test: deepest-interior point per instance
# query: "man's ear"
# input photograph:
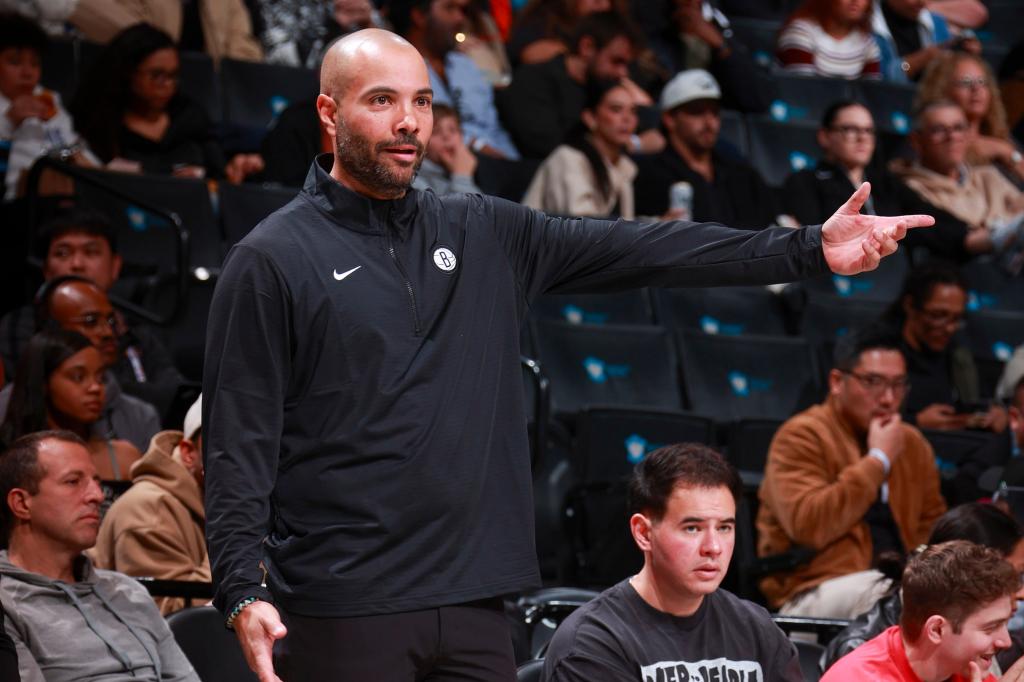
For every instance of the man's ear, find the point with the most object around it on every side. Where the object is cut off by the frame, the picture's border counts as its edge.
(115, 265)
(588, 118)
(640, 526)
(936, 629)
(188, 453)
(586, 48)
(20, 504)
(326, 111)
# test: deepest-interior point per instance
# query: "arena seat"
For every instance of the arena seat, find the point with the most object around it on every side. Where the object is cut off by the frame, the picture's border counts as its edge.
(994, 334)
(734, 131)
(531, 671)
(758, 35)
(990, 287)
(891, 104)
(243, 206)
(256, 93)
(805, 98)
(730, 377)
(882, 284)
(627, 307)
(778, 149)
(727, 311)
(199, 83)
(212, 649)
(607, 365)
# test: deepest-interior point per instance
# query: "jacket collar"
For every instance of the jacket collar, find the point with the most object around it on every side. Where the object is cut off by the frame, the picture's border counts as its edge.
(353, 210)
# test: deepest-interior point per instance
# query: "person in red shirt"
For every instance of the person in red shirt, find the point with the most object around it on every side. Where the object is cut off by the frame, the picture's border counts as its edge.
(957, 600)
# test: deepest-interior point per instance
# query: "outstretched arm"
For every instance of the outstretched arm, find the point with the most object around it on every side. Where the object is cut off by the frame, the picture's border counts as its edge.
(853, 242)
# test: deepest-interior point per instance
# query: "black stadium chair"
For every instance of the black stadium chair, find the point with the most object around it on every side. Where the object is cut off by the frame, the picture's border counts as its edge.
(199, 83)
(778, 149)
(758, 35)
(729, 377)
(734, 131)
(826, 317)
(243, 206)
(883, 284)
(212, 649)
(627, 307)
(747, 445)
(530, 671)
(722, 310)
(994, 334)
(963, 458)
(990, 288)
(891, 105)
(60, 67)
(805, 98)
(610, 441)
(256, 93)
(607, 365)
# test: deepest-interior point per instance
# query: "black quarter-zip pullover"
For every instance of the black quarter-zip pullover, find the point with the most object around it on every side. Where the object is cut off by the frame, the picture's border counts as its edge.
(364, 423)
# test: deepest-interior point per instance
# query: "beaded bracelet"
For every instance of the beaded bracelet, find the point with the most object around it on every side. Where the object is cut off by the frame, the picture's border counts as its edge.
(230, 622)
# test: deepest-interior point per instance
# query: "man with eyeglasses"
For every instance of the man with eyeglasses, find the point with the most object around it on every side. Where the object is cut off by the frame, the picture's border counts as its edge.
(848, 139)
(980, 196)
(849, 480)
(75, 303)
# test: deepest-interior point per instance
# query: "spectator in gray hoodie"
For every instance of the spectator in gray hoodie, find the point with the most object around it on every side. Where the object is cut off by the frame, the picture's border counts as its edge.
(70, 621)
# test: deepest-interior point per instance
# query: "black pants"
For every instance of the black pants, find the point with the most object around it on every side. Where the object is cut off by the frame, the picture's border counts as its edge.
(469, 642)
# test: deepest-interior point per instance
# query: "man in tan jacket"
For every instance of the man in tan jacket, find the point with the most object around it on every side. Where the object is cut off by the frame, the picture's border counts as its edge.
(848, 479)
(155, 529)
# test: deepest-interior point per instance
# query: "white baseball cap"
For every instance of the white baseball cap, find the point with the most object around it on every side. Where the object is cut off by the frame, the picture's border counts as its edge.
(193, 418)
(687, 86)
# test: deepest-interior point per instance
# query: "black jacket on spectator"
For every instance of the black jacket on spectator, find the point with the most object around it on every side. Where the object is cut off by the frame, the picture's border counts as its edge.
(738, 196)
(291, 145)
(8, 655)
(813, 195)
(540, 106)
(188, 141)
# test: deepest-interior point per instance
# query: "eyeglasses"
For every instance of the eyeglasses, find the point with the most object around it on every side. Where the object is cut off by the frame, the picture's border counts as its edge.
(93, 320)
(970, 83)
(853, 132)
(941, 318)
(161, 75)
(940, 132)
(876, 384)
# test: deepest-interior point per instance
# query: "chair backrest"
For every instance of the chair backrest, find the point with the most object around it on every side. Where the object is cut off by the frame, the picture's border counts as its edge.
(734, 131)
(994, 334)
(805, 98)
(723, 310)
(256, 93)
(611, 441)
(826, 317)
(597, 527)
(729, 377)
(758, 35)
(627, 307)
(607, 365)
(212, 649)
(989, 287)
(884, 283)
(748, 443)
(530, 671)
(810, 653)
(243, 206)
(780, 148)
(891, 104)
(199, 82)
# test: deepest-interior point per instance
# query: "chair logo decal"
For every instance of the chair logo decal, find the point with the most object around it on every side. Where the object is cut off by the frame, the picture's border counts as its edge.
(782, 111)
(799, 161)
(637, 447)
(900, 122)
(142, 220)
(600, 371)
(710, 325)
(743, 385)
(278, 103)
(574, 314)
(976, 300)
(1002, 351)
(848, 286)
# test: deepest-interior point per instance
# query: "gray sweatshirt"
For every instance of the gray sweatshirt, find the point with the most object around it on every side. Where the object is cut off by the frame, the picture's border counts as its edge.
(105, 626)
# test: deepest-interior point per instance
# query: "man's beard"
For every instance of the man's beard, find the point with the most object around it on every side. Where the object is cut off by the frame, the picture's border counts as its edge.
(356, 154)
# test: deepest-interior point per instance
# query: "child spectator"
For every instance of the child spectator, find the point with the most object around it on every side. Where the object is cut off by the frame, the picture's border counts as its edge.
(830, 38)
(33, 122)
(448, 165)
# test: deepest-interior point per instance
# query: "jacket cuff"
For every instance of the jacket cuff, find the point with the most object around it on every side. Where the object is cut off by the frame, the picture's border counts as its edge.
(227, 599)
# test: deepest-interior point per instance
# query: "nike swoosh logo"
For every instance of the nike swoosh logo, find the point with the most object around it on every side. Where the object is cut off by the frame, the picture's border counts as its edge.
(342, 275)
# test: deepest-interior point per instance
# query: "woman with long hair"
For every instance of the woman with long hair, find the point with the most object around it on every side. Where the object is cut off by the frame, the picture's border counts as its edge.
(968, 80)
(830, 38)
(59, 384)
(590, 173)
(130, 112)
